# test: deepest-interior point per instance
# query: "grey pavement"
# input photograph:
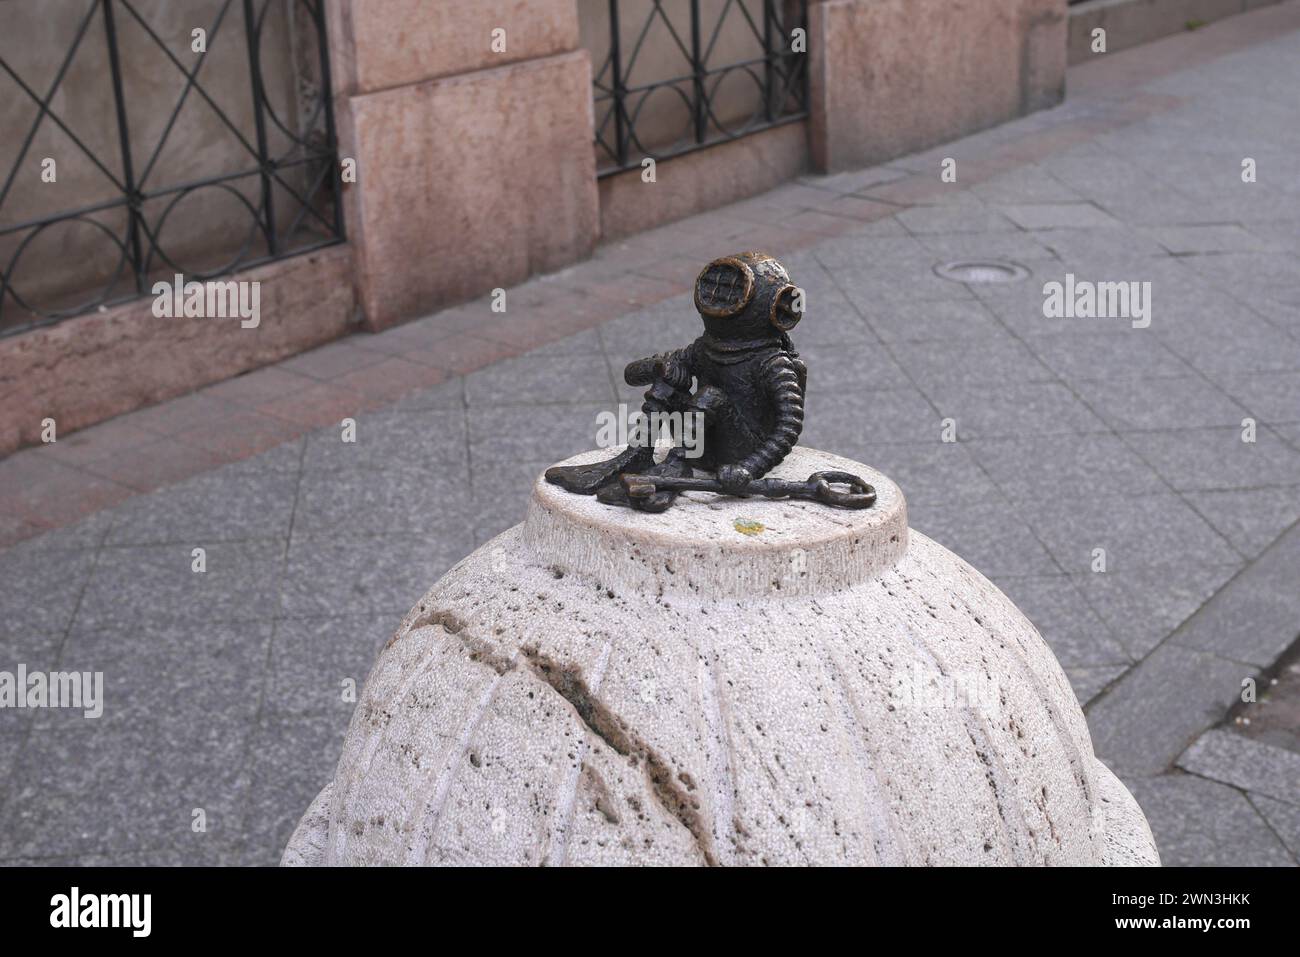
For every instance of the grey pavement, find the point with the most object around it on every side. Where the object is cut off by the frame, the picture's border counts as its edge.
(229, 690)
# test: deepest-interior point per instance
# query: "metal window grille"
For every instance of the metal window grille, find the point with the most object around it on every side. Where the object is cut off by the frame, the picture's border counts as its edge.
(278, 172)
(778, 74)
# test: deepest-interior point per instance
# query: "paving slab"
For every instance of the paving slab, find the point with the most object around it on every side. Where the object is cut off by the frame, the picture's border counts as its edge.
(397, 500)
(1176, 402)
(540, 379)
(313, 659)
(1063, 617)
(859, 419)
(326, 576)
(1231, 758)
(206, 669)
(1257, 616)
(1089, 681)
(289, 757)
(1134, 531)
(42, 589)
(936, 472)
(990, 536)
(961, 363)
(69, 798)
(1209, 238)
(1148, 718)
(429, 440)
(220, 506)
(856, 366)
(1249, 519)
(1210, 459)
(1144, 605)
(1271, 396)
(1107, 356)
(1283, 818)
(1090, 467)
(135, 583)
(1013, 409)
(1202, 823)
(1078, 215)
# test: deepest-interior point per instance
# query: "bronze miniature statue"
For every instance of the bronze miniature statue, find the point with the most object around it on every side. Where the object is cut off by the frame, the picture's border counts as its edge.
(749, 386)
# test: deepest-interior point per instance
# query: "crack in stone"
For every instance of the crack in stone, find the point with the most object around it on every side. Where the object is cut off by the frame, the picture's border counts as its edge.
(479, 650)
(570, 685)
(485, 653)
(450, 622)
(568, 682)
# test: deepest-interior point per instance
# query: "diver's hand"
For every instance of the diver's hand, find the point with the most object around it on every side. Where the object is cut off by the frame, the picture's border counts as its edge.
(735, 479)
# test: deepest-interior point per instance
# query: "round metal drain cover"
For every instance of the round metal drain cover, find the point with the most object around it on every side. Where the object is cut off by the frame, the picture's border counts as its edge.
(982, 271)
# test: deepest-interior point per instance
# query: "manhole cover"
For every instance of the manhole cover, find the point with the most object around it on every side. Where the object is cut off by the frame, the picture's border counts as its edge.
(982, 271)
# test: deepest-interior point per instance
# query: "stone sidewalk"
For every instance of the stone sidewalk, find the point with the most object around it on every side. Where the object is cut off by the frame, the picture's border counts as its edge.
(225, 689)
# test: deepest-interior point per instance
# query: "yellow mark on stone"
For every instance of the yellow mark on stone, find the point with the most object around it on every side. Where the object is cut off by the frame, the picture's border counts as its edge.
(748, 527)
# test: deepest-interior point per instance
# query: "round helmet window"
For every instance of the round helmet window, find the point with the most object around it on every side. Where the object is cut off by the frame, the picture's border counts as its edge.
(724, 287)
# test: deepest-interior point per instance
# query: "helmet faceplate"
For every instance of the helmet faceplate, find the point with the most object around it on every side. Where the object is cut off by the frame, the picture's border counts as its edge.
(745, 296)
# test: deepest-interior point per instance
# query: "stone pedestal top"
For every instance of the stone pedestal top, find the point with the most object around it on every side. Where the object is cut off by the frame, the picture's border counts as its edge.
(723, 546)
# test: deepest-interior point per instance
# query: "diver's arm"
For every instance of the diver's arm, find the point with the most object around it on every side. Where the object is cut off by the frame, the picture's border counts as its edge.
(781, 382)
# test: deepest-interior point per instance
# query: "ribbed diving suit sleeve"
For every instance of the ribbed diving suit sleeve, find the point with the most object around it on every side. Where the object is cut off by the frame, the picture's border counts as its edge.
(781, 383)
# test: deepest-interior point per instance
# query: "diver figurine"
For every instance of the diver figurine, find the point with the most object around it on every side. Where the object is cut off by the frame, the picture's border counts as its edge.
(749, 396)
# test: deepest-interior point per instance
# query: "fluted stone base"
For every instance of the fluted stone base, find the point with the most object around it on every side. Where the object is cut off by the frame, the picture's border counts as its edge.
(730, 682)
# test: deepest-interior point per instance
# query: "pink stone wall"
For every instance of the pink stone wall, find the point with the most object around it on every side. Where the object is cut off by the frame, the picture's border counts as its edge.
(706, 179)
(84, 370)
(399, 42)
(890, 77)
(471, 183)
(475, 166)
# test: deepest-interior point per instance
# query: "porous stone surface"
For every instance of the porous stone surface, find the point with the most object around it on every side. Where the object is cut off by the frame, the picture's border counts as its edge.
(730, 682)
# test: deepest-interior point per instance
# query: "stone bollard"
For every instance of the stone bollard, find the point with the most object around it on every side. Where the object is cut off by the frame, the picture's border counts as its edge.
(734, 681)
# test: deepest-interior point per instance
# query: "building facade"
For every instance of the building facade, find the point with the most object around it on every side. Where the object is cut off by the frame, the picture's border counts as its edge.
(368, 162)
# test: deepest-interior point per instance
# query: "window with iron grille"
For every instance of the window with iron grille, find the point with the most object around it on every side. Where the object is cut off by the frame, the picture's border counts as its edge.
(141, 139)
(672, 76)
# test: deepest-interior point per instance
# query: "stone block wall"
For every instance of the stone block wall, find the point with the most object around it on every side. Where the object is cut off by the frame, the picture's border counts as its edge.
(90, 368)
(890, 77)
(474, 159)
